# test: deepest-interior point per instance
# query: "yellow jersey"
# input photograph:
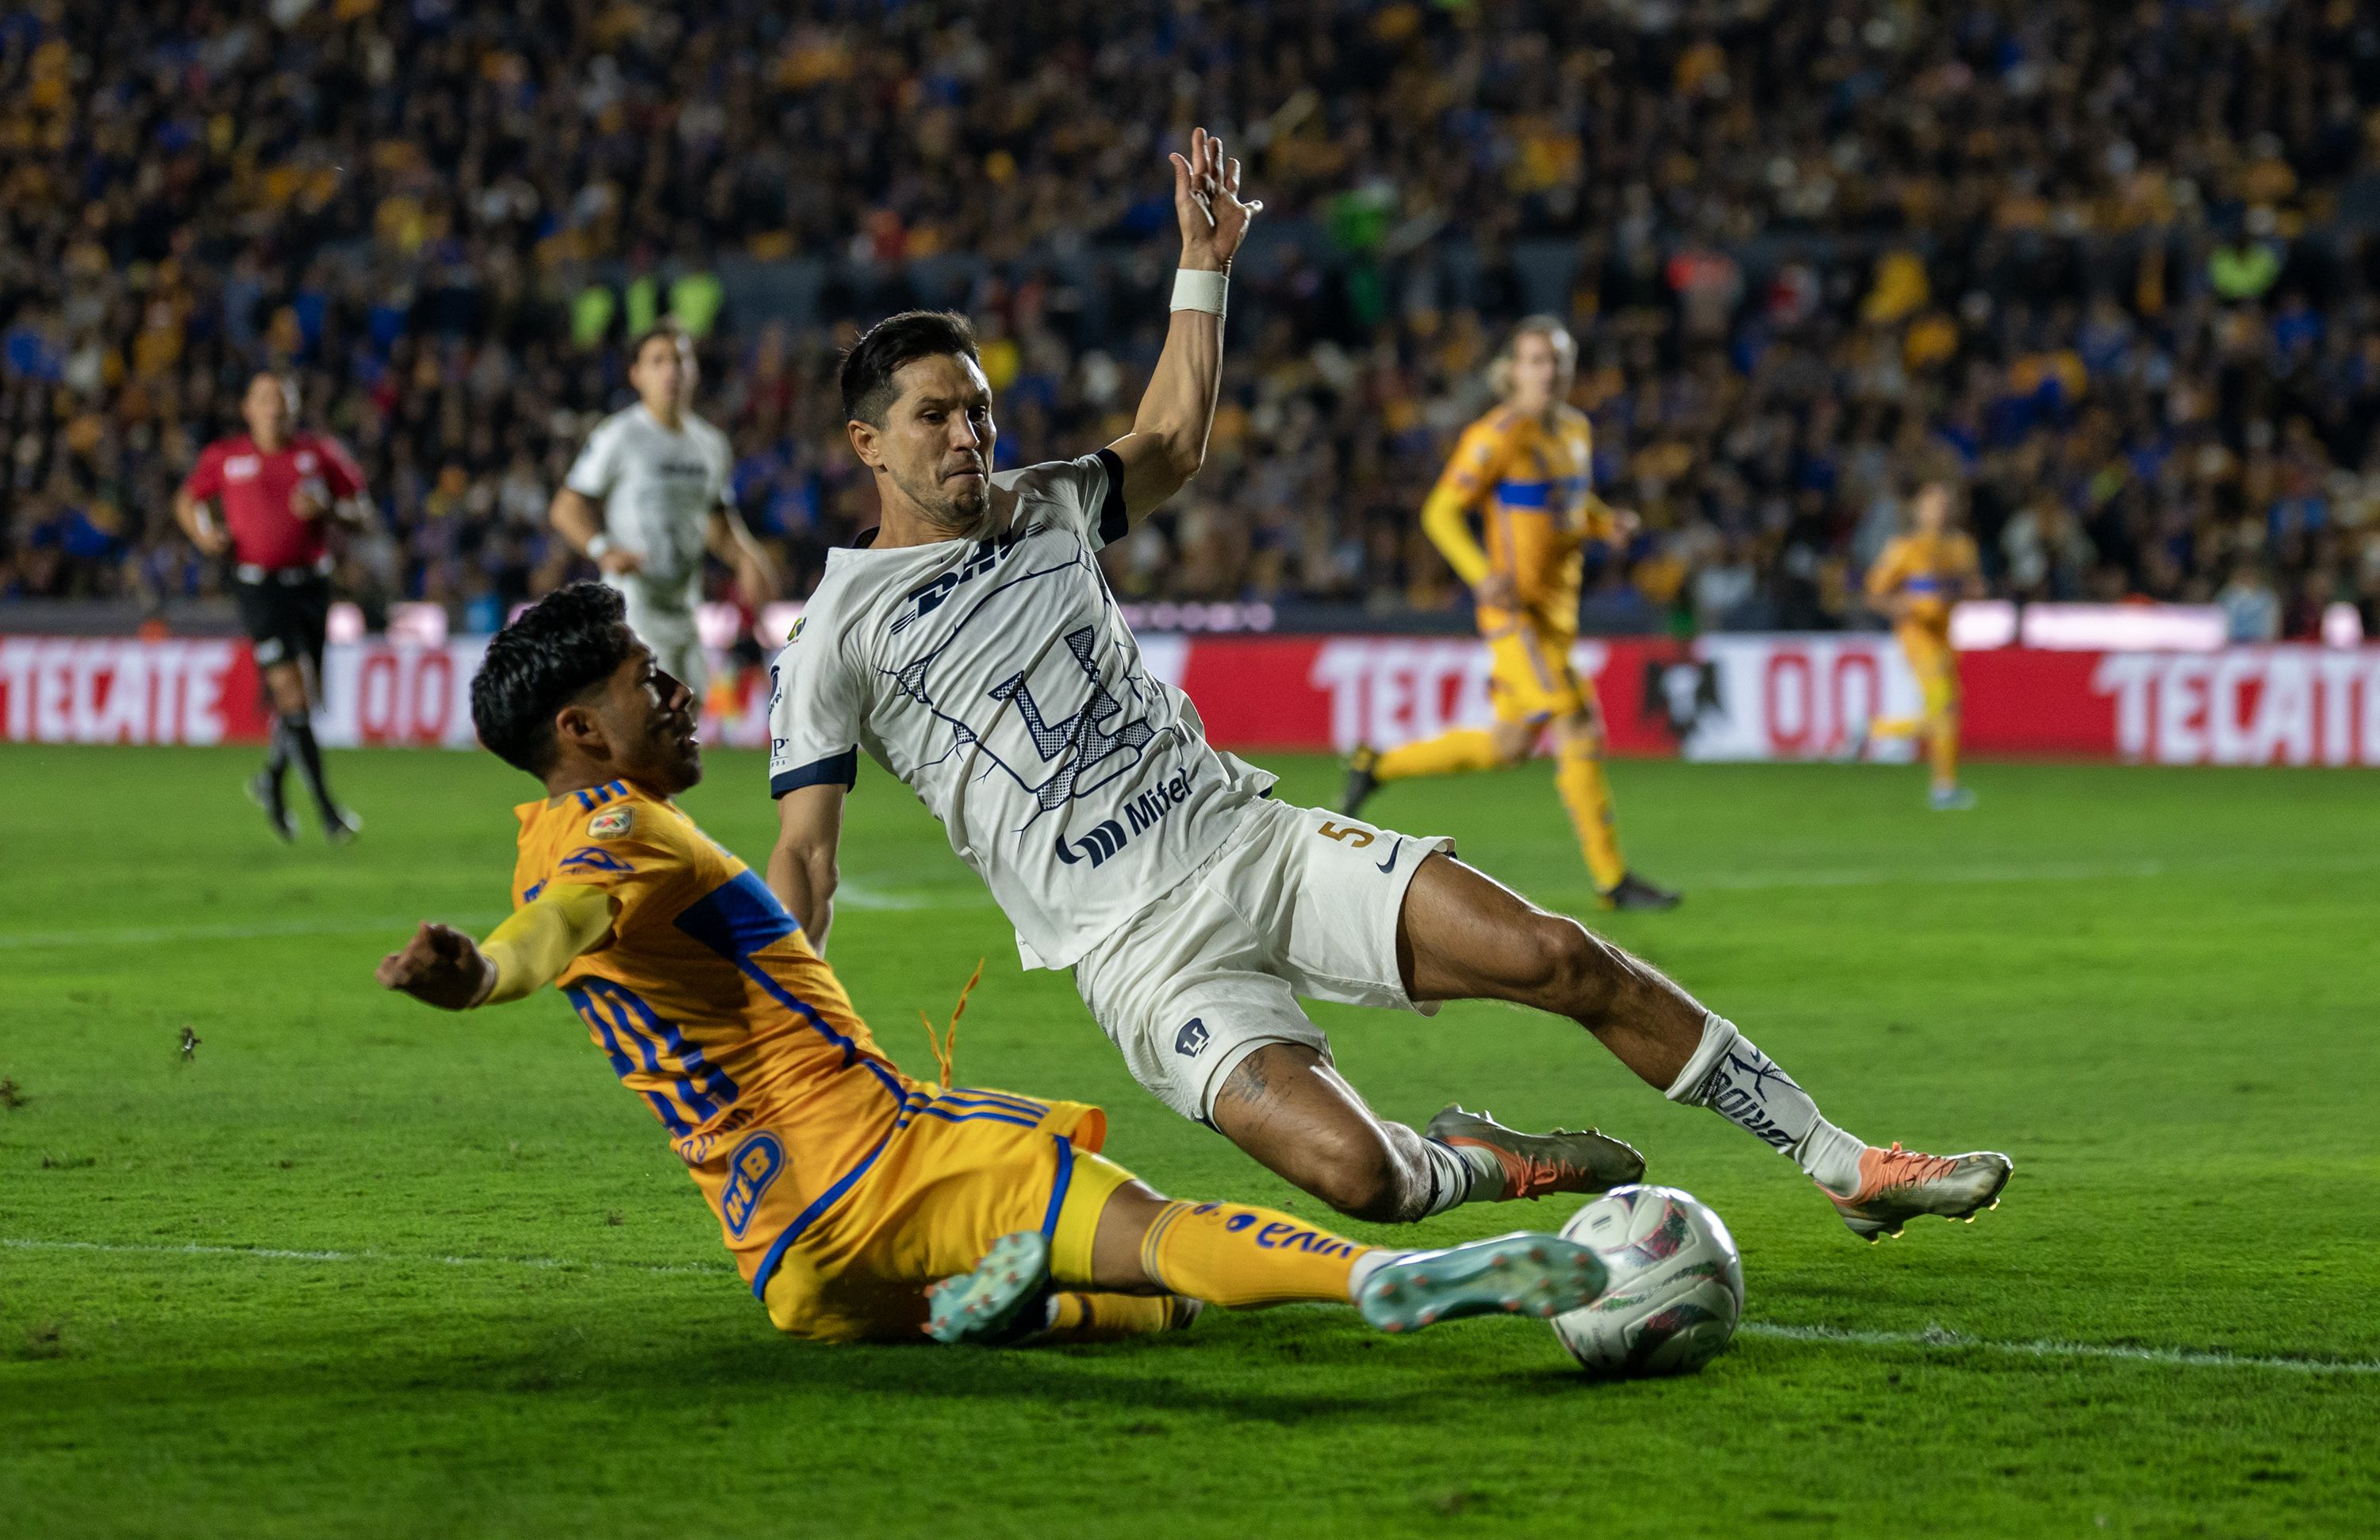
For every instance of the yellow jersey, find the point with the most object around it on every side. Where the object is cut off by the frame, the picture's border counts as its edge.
(1529, 481)
(707, 1002)
(1930, 571)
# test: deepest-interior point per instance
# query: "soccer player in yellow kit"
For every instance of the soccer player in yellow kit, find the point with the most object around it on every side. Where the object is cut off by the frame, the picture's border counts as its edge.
(1915, 581)
(1525, 470)
(858, 1203)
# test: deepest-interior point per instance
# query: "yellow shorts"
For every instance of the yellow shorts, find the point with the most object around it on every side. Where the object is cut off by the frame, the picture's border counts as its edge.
(1531, 679)
(1936, 664)
(957, 1171)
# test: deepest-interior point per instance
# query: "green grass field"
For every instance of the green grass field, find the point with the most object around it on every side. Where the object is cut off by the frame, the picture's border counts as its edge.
(359, 1267)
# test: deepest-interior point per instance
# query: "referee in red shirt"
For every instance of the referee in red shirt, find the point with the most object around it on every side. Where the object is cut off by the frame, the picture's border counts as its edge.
(280, 488)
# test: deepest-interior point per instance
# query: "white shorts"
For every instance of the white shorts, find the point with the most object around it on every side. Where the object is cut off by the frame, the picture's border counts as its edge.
(674, 638)
(1299, 902)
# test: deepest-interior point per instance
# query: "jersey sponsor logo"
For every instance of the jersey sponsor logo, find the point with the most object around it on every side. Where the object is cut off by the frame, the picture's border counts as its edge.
(306, 462)
(1140, 815)
(758, 1161)
(927, 598)
(1192, 1040)
(241, 468)
(1100, 844)
(610, 823)
(589, 858)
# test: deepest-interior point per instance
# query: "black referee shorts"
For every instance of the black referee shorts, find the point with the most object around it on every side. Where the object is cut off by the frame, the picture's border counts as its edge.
(285, 621)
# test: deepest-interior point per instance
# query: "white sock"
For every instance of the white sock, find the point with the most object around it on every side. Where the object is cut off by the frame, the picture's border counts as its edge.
(1460, 1176)
(1742, 1084)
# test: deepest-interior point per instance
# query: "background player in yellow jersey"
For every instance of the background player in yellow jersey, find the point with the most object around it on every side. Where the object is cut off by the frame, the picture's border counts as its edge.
(1525, 470)
(857, 1202)
(1916, 580)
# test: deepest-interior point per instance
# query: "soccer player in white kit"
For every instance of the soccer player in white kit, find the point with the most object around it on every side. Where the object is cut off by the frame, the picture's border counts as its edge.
(974, 651)
(648, 495)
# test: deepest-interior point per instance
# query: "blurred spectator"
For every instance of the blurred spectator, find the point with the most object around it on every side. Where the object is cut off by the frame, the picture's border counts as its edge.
(2101, 256)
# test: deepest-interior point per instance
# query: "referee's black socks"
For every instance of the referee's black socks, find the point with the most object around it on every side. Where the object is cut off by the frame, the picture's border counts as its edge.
(296, 735)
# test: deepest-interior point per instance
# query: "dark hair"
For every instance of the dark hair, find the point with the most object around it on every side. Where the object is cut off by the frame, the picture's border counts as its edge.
(665, 327)
(562, 647)
(869, 368)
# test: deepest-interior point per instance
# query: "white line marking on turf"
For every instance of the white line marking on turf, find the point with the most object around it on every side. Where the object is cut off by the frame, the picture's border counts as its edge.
(1939, 1338)
(1934, 1338)
(277, 1254)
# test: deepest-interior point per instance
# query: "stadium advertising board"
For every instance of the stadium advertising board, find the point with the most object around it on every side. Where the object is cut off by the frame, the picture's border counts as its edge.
(1722, 697)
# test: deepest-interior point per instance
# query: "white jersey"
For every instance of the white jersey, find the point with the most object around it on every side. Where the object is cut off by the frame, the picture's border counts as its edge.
(997, 679)
(659, 489)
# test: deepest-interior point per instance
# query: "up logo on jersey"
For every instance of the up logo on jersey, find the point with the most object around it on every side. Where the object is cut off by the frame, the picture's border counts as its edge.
(1192, 1040)
(758, 1161)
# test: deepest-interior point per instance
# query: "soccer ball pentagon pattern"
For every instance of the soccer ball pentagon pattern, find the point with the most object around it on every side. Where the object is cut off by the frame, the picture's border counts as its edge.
(1677, 1285)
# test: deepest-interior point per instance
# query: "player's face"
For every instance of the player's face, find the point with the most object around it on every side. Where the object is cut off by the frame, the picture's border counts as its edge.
(936, 441)
(265, 409)
(650, 722)
(1537, 371)
(664, 374)
(1930, 510)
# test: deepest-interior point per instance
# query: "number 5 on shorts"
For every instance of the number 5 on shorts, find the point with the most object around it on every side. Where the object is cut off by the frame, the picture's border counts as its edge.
(1330, 830)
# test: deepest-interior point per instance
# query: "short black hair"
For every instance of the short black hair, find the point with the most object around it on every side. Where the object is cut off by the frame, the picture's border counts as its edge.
(665, 327)
(562, 647)
(869, 368)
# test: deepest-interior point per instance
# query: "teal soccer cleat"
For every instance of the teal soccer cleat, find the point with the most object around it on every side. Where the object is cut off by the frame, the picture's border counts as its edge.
(1520, 1274)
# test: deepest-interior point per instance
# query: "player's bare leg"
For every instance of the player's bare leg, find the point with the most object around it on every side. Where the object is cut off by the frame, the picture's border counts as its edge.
(1300, 1119)
(1464, 936)
(1242, 1256)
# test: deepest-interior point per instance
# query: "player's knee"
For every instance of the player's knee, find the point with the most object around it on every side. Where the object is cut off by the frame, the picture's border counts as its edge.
(1357, 1172)
(1564, 967)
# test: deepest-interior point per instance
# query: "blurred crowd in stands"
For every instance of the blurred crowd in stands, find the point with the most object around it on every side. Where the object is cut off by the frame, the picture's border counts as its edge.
(2116, 267)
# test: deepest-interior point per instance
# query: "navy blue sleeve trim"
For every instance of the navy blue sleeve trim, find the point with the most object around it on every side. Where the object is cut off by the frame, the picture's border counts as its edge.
(1113, 524)
(841, 770)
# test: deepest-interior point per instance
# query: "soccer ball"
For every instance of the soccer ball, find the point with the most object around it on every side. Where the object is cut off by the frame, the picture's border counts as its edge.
(1677, 1285)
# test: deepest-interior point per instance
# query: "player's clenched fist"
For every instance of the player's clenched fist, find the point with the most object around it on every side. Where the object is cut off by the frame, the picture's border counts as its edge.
(438, 966)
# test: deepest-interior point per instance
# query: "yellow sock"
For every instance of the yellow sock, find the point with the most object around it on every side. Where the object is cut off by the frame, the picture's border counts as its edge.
(1087, 1317)
(1944, 746)
(1895, 727)
(1450, 753)
(1237, 1255)
(1587, 798)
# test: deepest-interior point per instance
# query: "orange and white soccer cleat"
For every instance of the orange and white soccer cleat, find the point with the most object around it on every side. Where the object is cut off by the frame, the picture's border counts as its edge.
(1537, 1164)
(1897, 1185)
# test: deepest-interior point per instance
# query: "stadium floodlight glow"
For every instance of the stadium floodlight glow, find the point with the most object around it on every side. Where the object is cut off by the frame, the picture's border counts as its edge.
(1979, 625)
(2124, 628)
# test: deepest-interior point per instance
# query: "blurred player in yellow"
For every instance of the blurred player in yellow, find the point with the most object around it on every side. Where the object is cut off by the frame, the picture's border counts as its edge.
(859, 1204)
(1525, 470)
(1915, 581)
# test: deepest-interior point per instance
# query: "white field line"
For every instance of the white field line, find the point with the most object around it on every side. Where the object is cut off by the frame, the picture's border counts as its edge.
(2043, 871)
(1934, 1338)
(1939, 1338)
(277, 1253)
(850, 895)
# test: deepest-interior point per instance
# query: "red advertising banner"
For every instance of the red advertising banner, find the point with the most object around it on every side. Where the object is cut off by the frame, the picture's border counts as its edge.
(1719, 698)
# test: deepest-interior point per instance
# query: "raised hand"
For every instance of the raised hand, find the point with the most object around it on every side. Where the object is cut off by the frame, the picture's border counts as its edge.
(1206, 200)
(441, 966)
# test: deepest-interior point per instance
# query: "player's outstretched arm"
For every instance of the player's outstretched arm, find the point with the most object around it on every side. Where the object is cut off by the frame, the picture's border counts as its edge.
(441, 966)
(731, 540)
(802, 870)
(576, 519)
(1168, 441)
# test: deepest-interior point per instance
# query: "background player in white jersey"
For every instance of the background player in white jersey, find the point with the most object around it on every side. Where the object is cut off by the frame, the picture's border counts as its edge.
(975, 651)
(649, 496)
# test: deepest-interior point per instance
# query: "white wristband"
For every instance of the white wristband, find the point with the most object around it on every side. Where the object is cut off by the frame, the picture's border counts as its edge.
(598, 546)
(1196, 289)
